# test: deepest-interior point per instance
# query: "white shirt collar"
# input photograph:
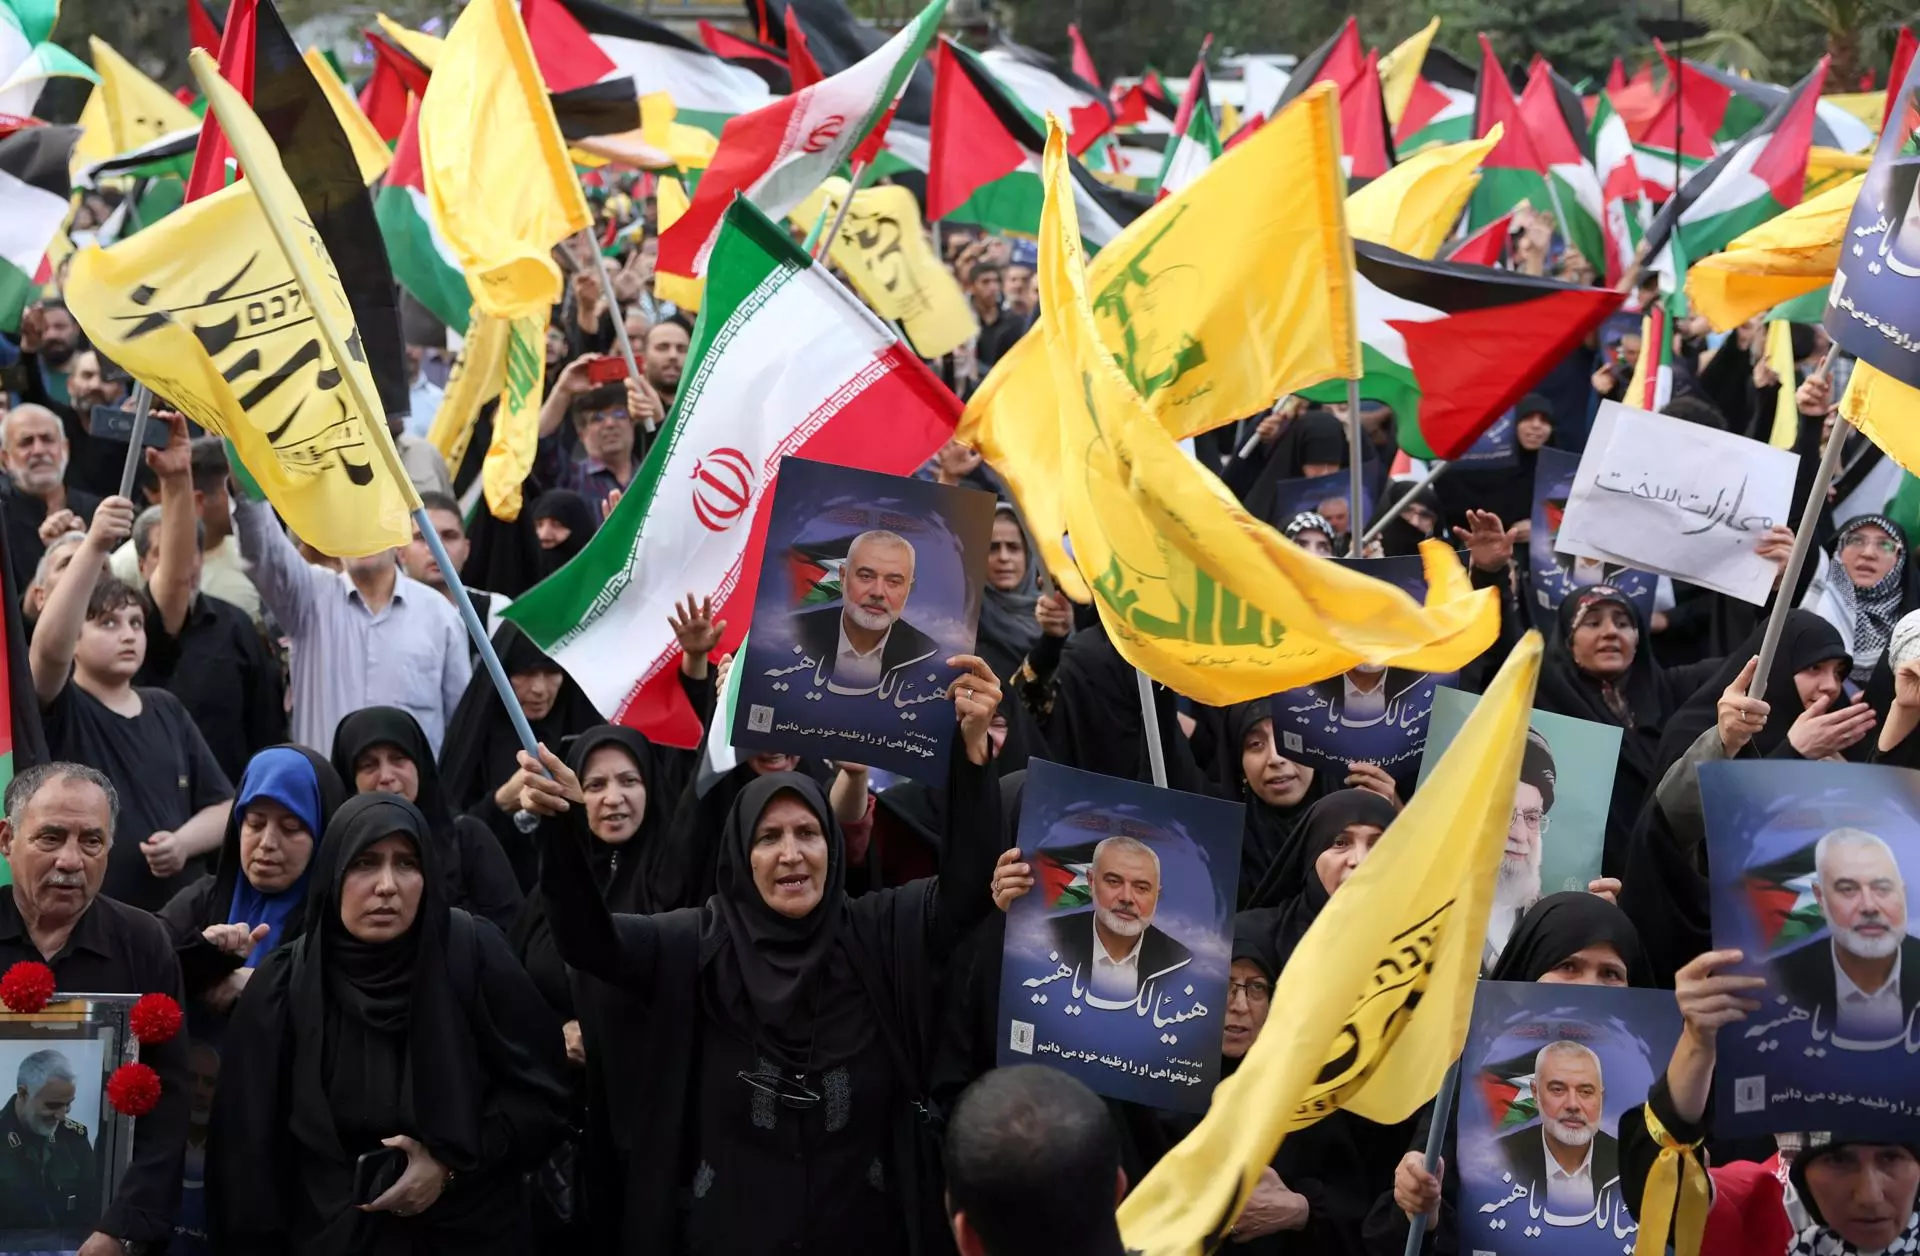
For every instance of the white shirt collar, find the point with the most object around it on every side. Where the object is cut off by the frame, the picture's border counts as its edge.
(1131, 958)
(1844, 989)
(1554, 1171)
(846, 646)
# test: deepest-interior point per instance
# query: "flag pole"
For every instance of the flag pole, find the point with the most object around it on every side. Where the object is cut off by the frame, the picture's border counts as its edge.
(1436, 1138)
(1156, 753)
(136, 440)
(1354, 519)
(1802, 538)
(614, 312)
(1393, 512)
(832, 233)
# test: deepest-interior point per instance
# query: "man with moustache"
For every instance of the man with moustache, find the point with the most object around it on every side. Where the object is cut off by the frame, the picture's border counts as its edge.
(1114, 949)
(858, 646)
(1519, 885)
(34, 447)
(56, 835)
(1863, 981)
(49, 1182)
(1569, 1159)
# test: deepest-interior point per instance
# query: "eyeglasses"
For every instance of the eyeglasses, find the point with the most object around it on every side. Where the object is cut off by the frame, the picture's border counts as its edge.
(1256, 991)
(1886, 545)
(1535, 819)
(790, 1092)
(591, 417)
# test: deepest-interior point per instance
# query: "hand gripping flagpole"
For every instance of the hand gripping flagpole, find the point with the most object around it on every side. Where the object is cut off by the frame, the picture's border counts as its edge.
(1436, 1139)
(1802, 539)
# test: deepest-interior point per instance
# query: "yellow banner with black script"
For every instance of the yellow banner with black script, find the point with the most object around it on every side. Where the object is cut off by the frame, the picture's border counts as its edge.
(1378, 993)
(884, 253)
(516, 424)
(1204, 341)
(1193, 590)
(478, 375)
(203, 308)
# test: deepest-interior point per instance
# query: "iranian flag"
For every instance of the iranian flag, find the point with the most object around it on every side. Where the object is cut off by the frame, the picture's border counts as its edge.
(34, 188)
(1781, 895)
(1513, 172)
(1755, 180)
(1449, 348)
(1196, 139)
(423, 262)
(1651, 387)
(776, 156)
(983, 160)
(1621, 195)
(784, 361)
(1557, 124)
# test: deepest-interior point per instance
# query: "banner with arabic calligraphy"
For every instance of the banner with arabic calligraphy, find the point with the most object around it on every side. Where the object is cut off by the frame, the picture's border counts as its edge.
(1558, 829)
(1555, 575)
(1546, 1074)
(1814, 866)
(1875, 297)
(848, 654)
(1116, 962)
(1371, 714)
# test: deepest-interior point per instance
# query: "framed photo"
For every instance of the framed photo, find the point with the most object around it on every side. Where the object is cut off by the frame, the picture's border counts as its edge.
(1551, 1068)
(1372, 714)
(63, 1149)
(1558, 829)
(868, 585)
(1115, 967)
(1813, 873)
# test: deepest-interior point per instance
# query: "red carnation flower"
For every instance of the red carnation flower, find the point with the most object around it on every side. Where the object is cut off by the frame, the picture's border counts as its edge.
(27, 987)
(133, 1089)
(155, 1018)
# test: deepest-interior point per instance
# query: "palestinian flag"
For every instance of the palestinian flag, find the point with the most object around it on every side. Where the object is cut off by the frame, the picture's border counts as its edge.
(398, 79)
(1434, 115)
(1338, 61)
(423, 260)
(1513, 172)
(213, 156)
(1557, 124)
(1196, 139)
(984, 162)
(817, 571)
(1781, 896)
(1485, 247)
(1674, 127)
(784, 361)
(777, 155)
(578, 42)
(765, 61)
(1366, 144)
(1043, 86)
(202, 31)
(169, 156)
(1450, 348)
(1731, 106)
(1063, 875)
(1507, 1089)
(1756, 179)
(1623, 203)
(34, 187)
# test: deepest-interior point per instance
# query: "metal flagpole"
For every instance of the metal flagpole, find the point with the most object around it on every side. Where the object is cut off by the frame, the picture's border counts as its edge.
(615, 312)
(1802, 539)
(1156, 753)
(1393, 511)
(1436, 1138)
(1355, 521)
(478, 631)
(832, 233)
(136, 441)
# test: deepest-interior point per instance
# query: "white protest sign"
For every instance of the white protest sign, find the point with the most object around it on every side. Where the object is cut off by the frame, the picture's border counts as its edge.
(1672, 497)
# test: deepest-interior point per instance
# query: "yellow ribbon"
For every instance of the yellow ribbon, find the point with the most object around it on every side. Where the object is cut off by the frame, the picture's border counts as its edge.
(1678, 1178)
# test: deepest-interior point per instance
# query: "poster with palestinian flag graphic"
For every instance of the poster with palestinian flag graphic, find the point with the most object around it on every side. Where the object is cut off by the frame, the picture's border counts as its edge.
(1116, 963)
(1547, 1072)
(876, 582)
(1813, 865)
(1870, 311)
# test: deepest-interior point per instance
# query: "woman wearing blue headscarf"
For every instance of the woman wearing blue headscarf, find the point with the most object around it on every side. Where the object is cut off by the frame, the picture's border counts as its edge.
(224, 924)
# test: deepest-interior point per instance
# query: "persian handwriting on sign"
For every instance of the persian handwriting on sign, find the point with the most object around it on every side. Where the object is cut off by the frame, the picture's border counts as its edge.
(1143, 1005)
(1718, 512)
(1609, 1211)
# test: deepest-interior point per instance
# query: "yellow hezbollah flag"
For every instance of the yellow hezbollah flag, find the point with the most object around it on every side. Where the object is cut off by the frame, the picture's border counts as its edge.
(1400, 70)
(516, 423)
(885, 255)
(1202, 343)
(1887, 411)
(1785, 433)
(1778, 260)
(370, 152)
(1193, 590)
(125, 109)
(1413, 206)
(478, 375)
(1378, 994)
(501, 188)
(229, 310)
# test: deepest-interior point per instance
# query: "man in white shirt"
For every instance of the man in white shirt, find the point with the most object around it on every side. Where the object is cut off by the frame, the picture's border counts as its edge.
(1117, 953)
(856, 646)
(1570, 1158)
(1864, 982)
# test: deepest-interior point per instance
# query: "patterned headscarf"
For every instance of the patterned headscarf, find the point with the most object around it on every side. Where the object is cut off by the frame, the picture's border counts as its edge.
(1873, 610)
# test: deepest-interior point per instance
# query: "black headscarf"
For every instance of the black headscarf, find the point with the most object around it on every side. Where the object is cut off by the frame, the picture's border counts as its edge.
(1400, 538)
(1806, 640)
(1008, 630)
(1095, 724)
(1324, 822)
(481, 750)
(1561, 925)
(572, 510)
(391, 726)
(1269, 831)
(373, 982)
(1316, 438)
(782, 984)
(1505, 491)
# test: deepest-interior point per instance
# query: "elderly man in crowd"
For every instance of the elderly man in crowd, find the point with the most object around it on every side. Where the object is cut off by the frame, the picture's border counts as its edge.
(35, 497)
(1866, 975)
(56, 837)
